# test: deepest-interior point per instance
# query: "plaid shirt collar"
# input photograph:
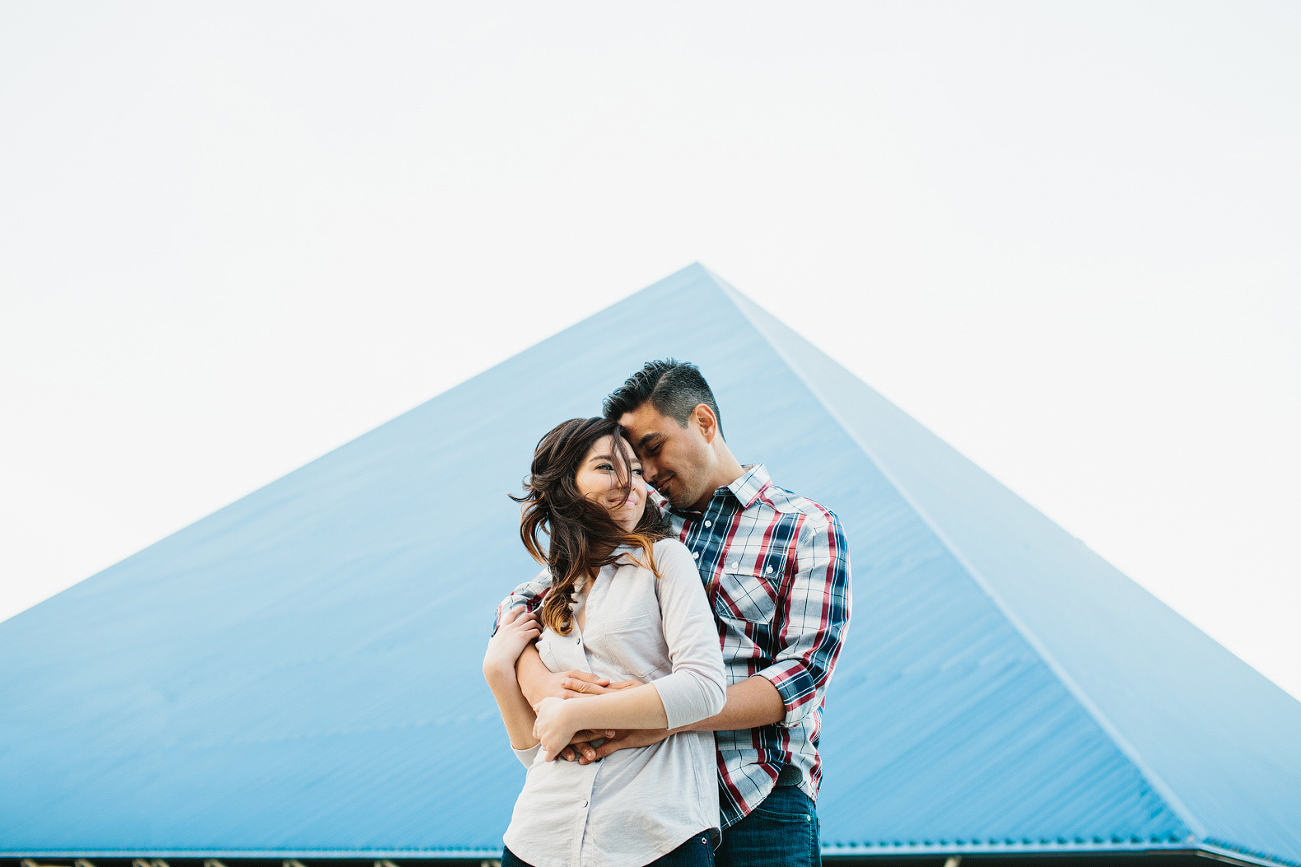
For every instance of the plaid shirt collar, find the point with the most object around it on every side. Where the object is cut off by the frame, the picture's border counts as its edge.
(745, 489)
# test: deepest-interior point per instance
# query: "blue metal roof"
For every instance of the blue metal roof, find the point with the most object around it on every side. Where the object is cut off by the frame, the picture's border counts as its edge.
(298, 673)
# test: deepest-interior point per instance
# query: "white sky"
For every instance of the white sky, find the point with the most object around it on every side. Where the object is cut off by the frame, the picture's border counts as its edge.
(235, 236)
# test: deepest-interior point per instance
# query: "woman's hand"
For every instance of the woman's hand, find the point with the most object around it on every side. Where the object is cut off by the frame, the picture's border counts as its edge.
(555, 726)
(517, 628)
(575, 683)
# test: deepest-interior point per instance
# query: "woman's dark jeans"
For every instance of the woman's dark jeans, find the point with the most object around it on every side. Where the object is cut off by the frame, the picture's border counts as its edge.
(696, 852)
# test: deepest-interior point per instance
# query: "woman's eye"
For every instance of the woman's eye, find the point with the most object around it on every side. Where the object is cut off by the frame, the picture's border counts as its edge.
(637, 470)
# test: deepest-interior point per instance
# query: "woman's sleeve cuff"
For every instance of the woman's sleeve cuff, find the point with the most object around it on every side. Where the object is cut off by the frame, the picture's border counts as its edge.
(526, 757)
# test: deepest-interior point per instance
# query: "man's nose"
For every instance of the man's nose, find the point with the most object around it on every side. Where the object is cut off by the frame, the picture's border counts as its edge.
(650, 472)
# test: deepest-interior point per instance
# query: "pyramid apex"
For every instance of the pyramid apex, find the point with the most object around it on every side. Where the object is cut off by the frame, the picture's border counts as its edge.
(1000, 684)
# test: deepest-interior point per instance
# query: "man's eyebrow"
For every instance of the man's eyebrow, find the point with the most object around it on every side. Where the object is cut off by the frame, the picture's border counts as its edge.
(645, 438)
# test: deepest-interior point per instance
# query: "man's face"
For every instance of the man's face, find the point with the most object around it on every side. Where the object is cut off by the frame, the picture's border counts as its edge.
(677, 460)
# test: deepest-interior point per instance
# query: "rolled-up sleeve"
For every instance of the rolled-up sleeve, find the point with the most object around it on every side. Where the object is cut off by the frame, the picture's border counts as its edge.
(813, 617)
(697, 687)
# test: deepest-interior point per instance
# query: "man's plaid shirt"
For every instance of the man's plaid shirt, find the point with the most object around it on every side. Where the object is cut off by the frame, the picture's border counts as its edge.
(776, 570)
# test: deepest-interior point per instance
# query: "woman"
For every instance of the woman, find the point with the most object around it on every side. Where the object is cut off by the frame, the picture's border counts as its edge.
(625, 602)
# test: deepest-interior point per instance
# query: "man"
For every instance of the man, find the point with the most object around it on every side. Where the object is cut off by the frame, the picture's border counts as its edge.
(776, 569)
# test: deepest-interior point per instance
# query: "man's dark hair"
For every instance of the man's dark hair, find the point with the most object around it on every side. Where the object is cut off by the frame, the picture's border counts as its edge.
(674, 388)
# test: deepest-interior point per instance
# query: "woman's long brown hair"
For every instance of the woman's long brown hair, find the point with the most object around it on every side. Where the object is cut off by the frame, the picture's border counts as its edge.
(581, 535)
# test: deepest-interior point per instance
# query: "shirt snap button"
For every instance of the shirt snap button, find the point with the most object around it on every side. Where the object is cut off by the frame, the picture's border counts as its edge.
(709, 523)
(695, 554)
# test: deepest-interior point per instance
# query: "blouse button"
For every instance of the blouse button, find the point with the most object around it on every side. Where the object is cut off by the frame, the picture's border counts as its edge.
(584, 804)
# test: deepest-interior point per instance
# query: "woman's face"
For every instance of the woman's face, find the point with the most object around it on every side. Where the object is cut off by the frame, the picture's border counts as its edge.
(599, 480)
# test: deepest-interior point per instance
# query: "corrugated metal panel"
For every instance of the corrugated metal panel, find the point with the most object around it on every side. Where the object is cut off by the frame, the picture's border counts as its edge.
(1213, 739)
(954, 728)
(299, 672)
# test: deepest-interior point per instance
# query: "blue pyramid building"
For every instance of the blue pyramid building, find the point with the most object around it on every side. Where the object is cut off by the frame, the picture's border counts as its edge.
(296, 676)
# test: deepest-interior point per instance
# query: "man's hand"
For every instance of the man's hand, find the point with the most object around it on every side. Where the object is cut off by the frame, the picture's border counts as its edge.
(619, 741)
(583, 741)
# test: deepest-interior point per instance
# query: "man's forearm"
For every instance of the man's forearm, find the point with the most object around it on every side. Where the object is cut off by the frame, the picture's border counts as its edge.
(751, 703)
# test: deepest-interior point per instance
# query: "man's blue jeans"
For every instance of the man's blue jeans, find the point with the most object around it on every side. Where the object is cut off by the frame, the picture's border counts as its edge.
(782, 831)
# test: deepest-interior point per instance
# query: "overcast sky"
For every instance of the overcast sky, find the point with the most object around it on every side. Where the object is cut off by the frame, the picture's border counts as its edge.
(1064, 237)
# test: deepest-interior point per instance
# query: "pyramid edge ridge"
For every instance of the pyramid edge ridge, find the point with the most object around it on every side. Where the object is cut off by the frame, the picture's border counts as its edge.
(1160, 787)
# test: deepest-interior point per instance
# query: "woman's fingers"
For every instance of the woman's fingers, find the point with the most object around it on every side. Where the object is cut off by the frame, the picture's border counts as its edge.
(583, 687)
(521, 623)
(520, 617)
(526, 624)
(587, 677)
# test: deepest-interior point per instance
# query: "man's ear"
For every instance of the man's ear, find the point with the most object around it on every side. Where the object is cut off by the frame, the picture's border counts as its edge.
(705, 419)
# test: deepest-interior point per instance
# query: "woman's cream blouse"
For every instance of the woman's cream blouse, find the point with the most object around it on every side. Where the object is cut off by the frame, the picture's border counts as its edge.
(636, 804)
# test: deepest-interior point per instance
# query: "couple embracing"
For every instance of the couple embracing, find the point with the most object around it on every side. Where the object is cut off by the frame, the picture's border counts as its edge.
(662, 678)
